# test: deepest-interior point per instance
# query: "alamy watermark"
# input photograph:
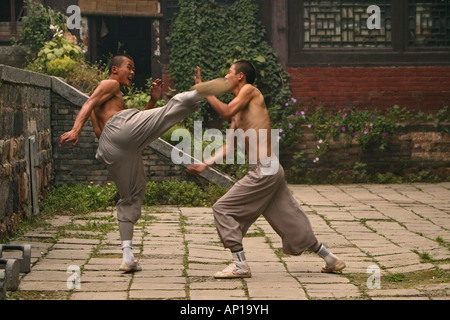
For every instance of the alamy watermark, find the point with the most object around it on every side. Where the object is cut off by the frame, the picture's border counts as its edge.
(74, 20)
(374, 280)
(374, 21)
(74, 280)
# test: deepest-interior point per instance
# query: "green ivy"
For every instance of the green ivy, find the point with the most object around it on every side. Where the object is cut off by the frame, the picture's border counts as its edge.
(213, 37)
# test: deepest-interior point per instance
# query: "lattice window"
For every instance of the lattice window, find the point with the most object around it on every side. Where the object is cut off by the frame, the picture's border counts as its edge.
(340, 24)
(429, 23)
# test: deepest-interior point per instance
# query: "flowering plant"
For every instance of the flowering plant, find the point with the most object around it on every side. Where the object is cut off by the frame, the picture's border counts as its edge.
(348, 124)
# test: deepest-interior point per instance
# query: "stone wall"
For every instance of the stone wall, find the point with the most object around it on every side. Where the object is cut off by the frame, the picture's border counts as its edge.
(413, 148)
(25, 145)
(12, 56)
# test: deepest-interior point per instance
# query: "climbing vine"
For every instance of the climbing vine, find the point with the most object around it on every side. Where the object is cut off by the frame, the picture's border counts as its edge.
(213, 37)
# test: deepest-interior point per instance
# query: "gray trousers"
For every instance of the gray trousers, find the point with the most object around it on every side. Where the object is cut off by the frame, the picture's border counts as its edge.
(268, 195)
(121, 143)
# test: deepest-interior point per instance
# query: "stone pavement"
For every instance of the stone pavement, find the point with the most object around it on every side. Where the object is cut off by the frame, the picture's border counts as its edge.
(394, 239)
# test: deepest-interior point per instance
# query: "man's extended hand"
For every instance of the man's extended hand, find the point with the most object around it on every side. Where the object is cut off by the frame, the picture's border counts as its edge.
(197, 168)
(156, 90)
(198, 75)
(71, 136)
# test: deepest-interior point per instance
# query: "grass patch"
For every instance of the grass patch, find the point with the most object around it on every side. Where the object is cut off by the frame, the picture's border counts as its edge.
(395, 277)
(403, 280)
(83, 199)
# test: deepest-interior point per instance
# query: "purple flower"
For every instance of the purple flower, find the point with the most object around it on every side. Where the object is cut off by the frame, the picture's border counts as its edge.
(384, 134)
(290, 126)
(309, 126)
(293, 100)
(287, 104)
(332, 127)
(343, 128)
(372, 116)
(293, 117)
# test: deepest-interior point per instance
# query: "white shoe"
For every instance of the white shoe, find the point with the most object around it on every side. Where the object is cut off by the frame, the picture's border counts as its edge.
(233, 271)
(130, 267)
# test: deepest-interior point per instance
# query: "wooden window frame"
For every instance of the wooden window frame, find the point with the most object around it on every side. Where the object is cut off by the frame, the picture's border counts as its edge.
(397, 55)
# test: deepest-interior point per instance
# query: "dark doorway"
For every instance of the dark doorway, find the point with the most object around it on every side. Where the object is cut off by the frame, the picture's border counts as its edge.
(128, 35)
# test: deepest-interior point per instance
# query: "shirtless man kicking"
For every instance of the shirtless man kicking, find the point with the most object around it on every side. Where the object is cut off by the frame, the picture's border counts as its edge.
(124, 133)
(261, 191)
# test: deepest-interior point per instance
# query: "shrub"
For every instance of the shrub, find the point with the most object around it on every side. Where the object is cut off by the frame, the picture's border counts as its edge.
(79, 199)
(182, 194)
(61, 67)
(83, 199)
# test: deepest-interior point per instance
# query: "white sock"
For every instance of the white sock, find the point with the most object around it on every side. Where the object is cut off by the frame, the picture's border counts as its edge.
(326, 255)
(239, 259)
(127, 249)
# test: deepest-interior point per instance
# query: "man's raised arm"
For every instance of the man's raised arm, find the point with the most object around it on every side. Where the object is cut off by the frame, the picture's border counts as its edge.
(105, 91)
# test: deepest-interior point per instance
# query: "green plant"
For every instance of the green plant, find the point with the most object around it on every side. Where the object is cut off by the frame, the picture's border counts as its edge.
(57, 48)
(83, 199)
(211, 36)
(35, 31)
(79, 199)
(61, 67)
(424, 256)
(395, 277)
(58, 57)
(181, 193)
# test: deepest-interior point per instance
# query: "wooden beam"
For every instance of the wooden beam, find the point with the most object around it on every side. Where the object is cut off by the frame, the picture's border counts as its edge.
(280, 29)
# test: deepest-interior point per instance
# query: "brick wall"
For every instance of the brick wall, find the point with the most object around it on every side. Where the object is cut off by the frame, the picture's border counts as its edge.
(425, 88)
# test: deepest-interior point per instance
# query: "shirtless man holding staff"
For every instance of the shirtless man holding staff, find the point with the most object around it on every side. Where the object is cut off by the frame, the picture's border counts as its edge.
(264, 189)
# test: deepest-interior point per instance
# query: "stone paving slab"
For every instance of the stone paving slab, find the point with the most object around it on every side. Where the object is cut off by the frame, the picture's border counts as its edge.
(398, 234)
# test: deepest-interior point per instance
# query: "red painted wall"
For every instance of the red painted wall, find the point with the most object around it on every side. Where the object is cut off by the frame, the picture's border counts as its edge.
(417, 88)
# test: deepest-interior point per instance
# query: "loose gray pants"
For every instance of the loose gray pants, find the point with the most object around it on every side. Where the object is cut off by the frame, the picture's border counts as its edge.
(268, 195)
(121, 143)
